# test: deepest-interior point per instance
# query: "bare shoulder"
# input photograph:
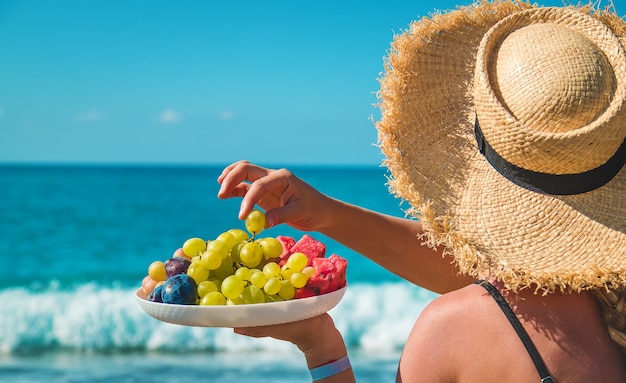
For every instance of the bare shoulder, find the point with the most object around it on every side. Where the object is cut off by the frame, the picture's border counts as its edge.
(463, 336)
(441, 336)
(452, 310)
(455, 309)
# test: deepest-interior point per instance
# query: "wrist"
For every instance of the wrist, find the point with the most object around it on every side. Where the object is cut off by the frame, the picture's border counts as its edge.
(330, 369)
(333, 216)
(326, 346)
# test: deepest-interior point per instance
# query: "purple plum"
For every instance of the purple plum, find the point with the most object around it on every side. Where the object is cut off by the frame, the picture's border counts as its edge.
(180, 289)
(155, 294)
(176, 265)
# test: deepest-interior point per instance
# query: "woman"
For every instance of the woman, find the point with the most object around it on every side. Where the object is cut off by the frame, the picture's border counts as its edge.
(504, 127)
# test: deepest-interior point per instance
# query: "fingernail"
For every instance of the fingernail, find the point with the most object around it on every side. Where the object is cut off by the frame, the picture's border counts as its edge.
(270, 222)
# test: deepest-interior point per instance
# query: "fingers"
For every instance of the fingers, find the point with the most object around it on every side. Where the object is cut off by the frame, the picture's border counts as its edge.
(291, 331)
(288, 331)
(278, 192)
(268, 191)
(254, 332)
(282, 214)
(303, 333)
(229, 168)
(233, 176)
(257, 185)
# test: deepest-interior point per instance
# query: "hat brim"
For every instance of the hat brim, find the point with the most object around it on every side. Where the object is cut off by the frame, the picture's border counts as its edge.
(490, 225)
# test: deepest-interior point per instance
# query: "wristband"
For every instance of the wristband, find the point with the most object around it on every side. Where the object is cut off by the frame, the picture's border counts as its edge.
(330, 369)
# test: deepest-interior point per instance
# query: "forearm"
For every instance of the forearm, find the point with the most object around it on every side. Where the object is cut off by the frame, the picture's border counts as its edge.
(327, 347)
(393, 243)
(389, 241)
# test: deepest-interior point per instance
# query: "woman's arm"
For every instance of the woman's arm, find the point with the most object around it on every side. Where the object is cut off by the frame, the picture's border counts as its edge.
(317, 338)
(389, 241)
(393, 243)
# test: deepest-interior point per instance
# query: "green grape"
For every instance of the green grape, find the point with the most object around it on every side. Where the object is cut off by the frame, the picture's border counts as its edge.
(297, 261)
(211, 259)
(251, 254)
(287, 291)
(217, 281)
(156, 271)
(255, 222)
(214, 298)
(272, 286)
(271, 247)
(273, 298)
(285, 272)
(219, 247)
(232, 287)
(309, 271)
(252, 294)
(271, 269)
(198, 272)
(193, 246)
(225, 269)
(235, 301)
(206, 287)
(240, 235)
(258, 278)
(236, 250)
(244, 273)
(298, 280)
(228, 239)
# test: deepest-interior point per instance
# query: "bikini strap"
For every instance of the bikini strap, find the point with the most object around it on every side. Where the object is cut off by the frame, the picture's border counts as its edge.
(519, 329)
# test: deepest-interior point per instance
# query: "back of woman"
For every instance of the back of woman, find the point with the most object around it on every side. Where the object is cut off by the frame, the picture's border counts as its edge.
(464, 336)
(504, 128)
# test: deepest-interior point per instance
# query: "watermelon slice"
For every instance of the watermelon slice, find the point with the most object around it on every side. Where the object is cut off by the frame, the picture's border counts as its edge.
(330, 275)
(310, 246)
(287, 243)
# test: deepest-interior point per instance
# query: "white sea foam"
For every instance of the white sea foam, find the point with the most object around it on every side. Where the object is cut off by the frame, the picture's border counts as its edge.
(93, 318)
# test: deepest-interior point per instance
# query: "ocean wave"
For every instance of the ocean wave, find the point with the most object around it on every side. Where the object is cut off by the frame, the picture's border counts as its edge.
(93, 318)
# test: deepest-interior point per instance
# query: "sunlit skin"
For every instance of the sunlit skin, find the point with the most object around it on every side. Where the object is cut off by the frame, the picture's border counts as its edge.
(449, 340)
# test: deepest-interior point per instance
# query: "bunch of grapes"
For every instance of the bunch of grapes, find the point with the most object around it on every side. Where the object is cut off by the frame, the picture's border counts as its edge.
(235, 268)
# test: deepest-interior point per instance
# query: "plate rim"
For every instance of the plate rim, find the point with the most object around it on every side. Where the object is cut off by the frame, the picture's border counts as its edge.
(152, 307)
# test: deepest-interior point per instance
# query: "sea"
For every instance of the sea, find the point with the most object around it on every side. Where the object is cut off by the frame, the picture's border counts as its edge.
(76, 241)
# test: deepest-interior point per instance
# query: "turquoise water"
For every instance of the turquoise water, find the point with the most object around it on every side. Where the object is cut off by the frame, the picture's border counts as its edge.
(76, 241)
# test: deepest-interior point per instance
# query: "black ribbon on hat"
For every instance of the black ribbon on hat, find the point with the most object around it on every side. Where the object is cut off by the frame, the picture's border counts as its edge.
(556, 184)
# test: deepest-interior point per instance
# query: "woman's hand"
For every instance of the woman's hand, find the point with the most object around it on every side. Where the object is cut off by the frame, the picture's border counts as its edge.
(284, 197)
(392, 242)
(316, 337)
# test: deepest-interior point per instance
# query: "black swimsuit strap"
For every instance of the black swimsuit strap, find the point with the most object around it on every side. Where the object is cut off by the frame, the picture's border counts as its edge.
(523, 335)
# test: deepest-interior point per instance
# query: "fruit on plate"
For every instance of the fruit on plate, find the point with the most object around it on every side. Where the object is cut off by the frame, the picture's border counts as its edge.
(156, 294)
(175, 265)
(237, 267)
(307, 245)
(180, 289)
(329, 275)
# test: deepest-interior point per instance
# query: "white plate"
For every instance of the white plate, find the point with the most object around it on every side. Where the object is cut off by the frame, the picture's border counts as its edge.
(250, 315)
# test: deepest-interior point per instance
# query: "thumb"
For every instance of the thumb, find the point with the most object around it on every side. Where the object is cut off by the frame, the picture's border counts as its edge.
(291, 214)
(275, 217)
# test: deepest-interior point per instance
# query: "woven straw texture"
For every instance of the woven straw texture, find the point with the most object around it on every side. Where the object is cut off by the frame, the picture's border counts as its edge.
(429, 99)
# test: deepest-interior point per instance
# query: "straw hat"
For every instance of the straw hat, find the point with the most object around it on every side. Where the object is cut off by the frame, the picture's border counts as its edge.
(504, 126)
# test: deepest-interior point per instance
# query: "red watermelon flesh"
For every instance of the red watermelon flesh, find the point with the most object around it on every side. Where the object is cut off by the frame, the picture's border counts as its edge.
(287, 243)
(330, 275)
(311, 247)
(305, 292)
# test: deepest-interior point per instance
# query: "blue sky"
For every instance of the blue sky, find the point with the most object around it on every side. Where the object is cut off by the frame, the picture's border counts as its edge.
(196, 82)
